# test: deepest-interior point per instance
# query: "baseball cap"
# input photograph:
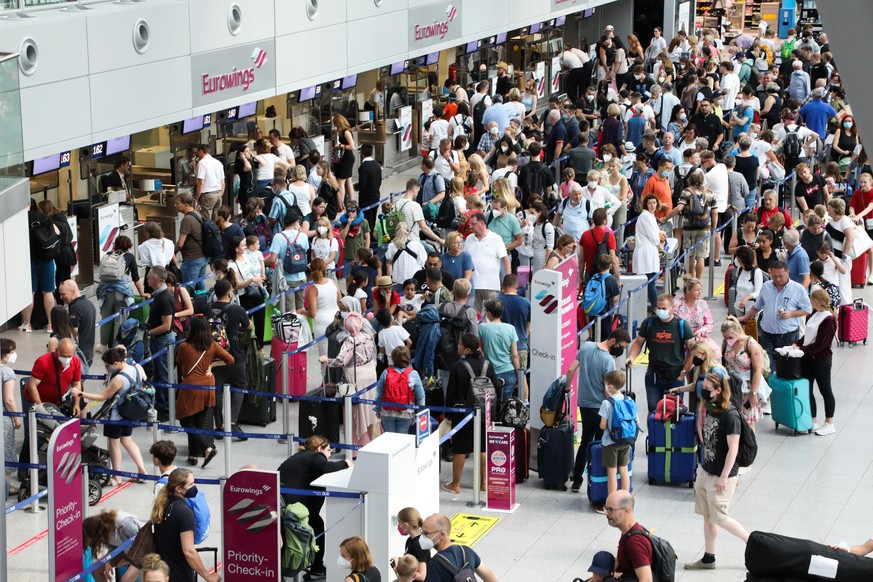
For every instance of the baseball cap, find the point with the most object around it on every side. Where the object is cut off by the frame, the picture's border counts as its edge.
(609, 27)
(603, 564)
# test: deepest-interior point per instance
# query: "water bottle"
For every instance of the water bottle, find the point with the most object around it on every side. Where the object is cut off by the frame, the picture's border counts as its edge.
(151, 415)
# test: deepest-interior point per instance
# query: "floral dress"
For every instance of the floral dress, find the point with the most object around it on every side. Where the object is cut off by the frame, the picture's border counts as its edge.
(738, 361)
(700, 319)
(357, 356)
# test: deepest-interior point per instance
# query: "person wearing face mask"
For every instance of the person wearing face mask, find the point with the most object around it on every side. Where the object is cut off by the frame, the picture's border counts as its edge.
(409, 523)
(8, 357)
(703, 362)
(667, 338)
(355, 556)
(557, 138)
(121, 377)
(174, 524)
(298, 472)
(450, 558)
(595, 360)
(719, 432)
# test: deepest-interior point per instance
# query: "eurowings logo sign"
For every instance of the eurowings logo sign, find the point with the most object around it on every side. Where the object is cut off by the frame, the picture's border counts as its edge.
(547, 301)
(234, 72)
(235, 78)
(259, 56)
(435, 23)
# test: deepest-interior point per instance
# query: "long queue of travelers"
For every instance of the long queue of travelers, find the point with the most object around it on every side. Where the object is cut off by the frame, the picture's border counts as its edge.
(647, 145)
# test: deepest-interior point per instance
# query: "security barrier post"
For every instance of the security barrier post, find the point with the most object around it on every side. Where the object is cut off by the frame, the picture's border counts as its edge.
(225, 405)
(347, 424)
(33, 450)
(477, 459)
(171, 379)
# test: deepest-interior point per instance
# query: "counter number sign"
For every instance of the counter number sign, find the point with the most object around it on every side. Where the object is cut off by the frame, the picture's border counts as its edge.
(207, 120)
(98, 150)
(65, 159)
(231, 114)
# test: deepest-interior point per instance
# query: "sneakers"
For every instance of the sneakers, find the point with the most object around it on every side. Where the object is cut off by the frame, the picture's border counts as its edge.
(766, 408)
(25, 328)
(99, 348)
(599, 509)
(576, 486)
(48, 329)
(315, 575)
(700, 565)
(825, 430)
(816, 426)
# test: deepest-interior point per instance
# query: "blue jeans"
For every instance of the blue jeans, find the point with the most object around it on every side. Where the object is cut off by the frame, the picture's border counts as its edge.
(396, 424)
(161, 370)
(652, 290)
(509, 382)
(656, 386)
(194, 269)
(752, 198)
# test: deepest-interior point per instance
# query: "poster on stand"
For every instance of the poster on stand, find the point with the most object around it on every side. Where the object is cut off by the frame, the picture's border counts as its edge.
(108, 227)
(405, 119)
(540, 76)
(65, 502)
(556, 75)
(318, 140)
(252, 527)
(73, 221)
(553, 307)
(500, 449)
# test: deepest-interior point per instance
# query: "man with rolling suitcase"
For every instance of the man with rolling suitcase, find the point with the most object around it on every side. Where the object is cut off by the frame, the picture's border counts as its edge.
(235, 321)
(596, 360)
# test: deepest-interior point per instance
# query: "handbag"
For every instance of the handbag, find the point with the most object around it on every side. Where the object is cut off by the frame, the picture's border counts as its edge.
(143, 545)
(861, 245)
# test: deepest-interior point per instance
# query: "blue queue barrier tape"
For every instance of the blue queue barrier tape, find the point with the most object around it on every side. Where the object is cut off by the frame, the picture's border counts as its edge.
(317, 493)
(17, 465)
(455, 429)
(102, 561)
(27, 502)
(413, 406)
(142, 477)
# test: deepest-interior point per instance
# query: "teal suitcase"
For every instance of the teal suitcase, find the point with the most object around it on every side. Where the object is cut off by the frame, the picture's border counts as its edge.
(790, 403)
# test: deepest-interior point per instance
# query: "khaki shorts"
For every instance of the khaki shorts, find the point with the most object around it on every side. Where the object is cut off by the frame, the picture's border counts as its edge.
(710, 502)
(614, 456)
(523, 359)
(692, 237)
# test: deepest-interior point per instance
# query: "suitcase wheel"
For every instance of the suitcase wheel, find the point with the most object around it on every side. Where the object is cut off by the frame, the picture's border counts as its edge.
(652, 481)
(691, 484)
(777, 426)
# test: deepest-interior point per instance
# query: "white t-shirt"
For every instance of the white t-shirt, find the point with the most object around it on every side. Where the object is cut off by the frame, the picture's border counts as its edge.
(412, 213)
(156, 252)
(717, 181)
(211, 171)
(439, 129)
(265, 170)
(322, 247)
(760, 149)
(570, 60)
(390, 338)
(487, 255)
(478, 97)
(505, 172)
(286, 154)
(441, 164)
(730, 83)
(411, 305)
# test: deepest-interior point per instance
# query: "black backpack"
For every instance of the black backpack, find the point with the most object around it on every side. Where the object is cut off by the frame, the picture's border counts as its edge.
(67, 254)
(451, 328)
(463, 574)
(792, 146)
(446, 213)
(479, 113)
(698, 213)
(212, 245)
(45, 244)
(663, 556)
(600, 248)
(748, 450)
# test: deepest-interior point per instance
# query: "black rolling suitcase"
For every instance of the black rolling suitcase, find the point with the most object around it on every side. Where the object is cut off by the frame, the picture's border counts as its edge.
(772, 556)
(260, 410)
(319, 417)
(555, 455)
(522, 454)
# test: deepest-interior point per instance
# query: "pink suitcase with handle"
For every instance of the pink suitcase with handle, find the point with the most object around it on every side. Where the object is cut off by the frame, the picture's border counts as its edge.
(853, 323)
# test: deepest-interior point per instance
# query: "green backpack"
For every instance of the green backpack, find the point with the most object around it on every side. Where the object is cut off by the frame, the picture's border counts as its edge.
(298, 550)
(394, 219)
(787, 49)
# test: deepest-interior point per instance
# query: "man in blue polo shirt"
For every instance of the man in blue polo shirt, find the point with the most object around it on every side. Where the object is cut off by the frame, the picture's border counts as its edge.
(817, 112)
(572, 213)
(796, 258)
(783, 302)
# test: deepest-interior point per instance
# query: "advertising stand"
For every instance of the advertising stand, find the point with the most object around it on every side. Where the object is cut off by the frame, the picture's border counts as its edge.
(65, 501)
(501, 469)
(553, 333)
(393, 474)
(252, 527)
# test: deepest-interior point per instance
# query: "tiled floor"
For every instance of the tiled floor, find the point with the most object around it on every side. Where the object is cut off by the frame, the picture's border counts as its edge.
(804, 486)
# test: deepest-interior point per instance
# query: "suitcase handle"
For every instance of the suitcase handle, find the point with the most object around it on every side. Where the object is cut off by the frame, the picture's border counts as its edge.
(858, 305)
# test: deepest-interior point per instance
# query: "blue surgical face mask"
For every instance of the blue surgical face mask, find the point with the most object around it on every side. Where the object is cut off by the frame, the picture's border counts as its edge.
(665, 173)
(663, 314)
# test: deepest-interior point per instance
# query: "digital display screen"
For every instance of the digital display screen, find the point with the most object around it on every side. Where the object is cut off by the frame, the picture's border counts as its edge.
(306, 94)
(560, 21)
(472, 46)
(46, 164)
(193, 124)
(535, 28)
(588, 13)
(398, 68)
(247, 110)
(350, 81)
(501, 38)
(432, 58)
(98, 150)
(117, 145)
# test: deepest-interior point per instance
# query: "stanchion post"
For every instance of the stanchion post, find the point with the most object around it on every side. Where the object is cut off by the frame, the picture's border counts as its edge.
(152, 419)
(34, 458)
(282, 302)
(85, 479)
(477, 459)
(284, 366)
(711, 269)
(347, 424)
(225, 405)
(171, 379)
(598, 328)
(289, 442)
(790, 194)
(364, 517)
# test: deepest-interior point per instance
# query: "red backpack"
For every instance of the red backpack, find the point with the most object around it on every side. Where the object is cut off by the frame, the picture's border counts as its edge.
(397, 388)
(670, 408)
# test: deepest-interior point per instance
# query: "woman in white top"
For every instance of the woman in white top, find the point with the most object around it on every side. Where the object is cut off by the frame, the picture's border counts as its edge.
(657, 45)
(325, 246)
(155, 251)
(529, 97)
(322, 302)
(404, 256)
(515, 104)
(750, 279)
(302, 192)
(458, 197)
(267, 164)
(647, 260)
(376, 98)
(617, 184)
(461, 123)
(543, 241)
(842, 231)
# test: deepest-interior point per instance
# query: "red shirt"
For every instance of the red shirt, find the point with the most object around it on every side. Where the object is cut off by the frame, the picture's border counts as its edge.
(765, 215)
(859, 202)
(45, 369)
(660, 187)
(591, 238)
(450, 110)
(379, 299)
(634, 551)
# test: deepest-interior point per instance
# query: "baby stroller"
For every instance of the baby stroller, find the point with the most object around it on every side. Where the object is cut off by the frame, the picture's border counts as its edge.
(131, 335)
(91, 454)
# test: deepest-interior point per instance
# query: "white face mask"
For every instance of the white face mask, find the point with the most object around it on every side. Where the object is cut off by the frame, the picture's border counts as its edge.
(65, 362)
(322, 230)
(590, 98)
(494, 131)
(497, 213)
(343, 563)
(592, 185)
(504, 148)
(753, 135)
(10, 359)
(425, 543)
(683, 117)
(607, 157)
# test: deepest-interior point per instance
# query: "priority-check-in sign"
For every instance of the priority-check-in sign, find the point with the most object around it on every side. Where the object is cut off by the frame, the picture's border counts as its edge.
(252, 522)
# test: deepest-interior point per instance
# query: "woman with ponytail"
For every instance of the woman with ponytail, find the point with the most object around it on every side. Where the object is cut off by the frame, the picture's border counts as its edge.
(409, 523)
(817, 362)
(174, 529)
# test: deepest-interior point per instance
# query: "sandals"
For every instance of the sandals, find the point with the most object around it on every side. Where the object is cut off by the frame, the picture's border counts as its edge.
(446, 487)
(209, 456)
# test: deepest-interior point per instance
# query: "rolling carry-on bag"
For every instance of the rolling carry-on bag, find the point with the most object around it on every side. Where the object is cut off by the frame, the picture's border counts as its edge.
(789, 403)
(597, 481)
(296, 367)
(555, 455)
(319, 417)
(859, 271)
(771, 556)
(853, 323)
(260, 410)
(672, 450)
(522, 454)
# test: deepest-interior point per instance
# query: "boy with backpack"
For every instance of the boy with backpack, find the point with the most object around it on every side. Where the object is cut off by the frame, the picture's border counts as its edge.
(601, 295)
(399, 384)
(618, 421)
